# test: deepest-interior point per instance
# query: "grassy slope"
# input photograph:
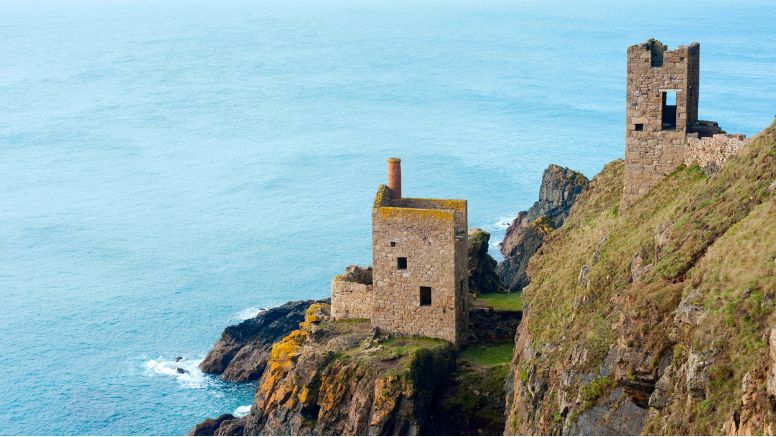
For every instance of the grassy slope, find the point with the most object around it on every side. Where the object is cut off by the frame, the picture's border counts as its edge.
(492, 355)
(714, 234)
(500, 301)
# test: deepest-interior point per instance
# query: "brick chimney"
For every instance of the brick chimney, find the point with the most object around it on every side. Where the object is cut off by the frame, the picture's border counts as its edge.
(394, 177)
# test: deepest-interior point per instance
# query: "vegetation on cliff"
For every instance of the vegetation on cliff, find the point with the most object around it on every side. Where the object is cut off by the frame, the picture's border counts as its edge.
(559, 190)
(500, 302)
(472, 401)
(337, 377)
(654, 319)
(242, 352)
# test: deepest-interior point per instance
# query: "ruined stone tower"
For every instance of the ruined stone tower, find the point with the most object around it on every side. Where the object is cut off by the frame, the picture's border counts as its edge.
(662, 129)
(419, 283)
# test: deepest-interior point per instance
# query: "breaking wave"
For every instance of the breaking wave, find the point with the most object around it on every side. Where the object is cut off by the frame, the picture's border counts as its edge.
(242, 411)
(185, 371)
(504, 222)
(248, 313)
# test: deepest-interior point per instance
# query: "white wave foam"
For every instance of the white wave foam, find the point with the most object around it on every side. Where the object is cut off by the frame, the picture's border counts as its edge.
(504, 222)
(242, 411)
(188, 376)
(248, 313)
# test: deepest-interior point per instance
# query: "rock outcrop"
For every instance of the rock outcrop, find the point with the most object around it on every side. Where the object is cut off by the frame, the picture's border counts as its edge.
(210, 426)
(560, 188)
(657, 319)
(482, 267)
(338, 378)
(242, 352)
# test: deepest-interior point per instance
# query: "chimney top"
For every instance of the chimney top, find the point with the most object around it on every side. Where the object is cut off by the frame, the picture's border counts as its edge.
(394, 177)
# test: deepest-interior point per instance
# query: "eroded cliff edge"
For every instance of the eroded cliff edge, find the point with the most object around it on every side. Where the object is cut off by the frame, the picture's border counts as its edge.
(337, 377)
(242, 352)
(656, 319)
(559, 190)
(341, 377)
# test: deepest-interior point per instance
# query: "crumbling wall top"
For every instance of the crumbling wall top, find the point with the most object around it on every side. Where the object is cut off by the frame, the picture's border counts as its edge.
(356, 274)
(658, 51)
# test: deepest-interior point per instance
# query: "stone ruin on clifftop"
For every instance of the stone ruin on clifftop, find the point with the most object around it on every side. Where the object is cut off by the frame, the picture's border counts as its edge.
(662, 130)
(418, 284)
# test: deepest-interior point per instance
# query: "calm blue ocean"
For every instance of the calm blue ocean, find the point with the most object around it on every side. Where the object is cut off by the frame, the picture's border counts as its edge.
(167, 167)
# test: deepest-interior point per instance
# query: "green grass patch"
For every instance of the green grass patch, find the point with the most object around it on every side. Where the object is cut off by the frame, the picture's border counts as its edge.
(501, 301)
(400, 347)
(595, 390)
(487, 356)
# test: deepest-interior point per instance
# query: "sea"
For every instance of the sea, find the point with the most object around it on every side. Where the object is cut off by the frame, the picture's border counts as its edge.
(171, 167)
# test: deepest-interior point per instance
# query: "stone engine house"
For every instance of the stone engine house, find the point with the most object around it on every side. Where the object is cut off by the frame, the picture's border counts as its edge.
(418, 284)
(662, 130)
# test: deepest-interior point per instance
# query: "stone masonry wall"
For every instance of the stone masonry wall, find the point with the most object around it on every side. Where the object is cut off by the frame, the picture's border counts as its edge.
(647, 161)
(651, 150)
(457, 206)
(462, 275)
(436, 258)
(352, 294)
(710, 152)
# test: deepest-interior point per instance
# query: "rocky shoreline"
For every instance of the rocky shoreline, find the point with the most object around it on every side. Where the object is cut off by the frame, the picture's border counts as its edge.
(242, 352)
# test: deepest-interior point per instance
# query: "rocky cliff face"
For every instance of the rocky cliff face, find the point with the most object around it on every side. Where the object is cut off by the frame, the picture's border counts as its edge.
(560, 188)
(242, 352)
(656, 319)
(337, 377)
(482, 267)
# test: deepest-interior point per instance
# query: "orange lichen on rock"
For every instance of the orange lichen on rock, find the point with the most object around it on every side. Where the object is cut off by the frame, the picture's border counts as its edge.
(283, 358)
(442, 215)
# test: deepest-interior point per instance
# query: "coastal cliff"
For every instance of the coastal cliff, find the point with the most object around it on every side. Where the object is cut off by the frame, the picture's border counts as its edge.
(482, 267)
(337, 377)
(557, 193)
(242, 352)
(657, 319)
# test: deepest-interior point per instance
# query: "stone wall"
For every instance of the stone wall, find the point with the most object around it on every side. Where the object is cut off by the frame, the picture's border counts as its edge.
(457, 206)
(425, 232)
(710, 152)
(352, 294)
(648, 160)
(652, 150)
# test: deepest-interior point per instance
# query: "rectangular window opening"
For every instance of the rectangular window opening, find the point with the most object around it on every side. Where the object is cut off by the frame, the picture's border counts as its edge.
(639, 127)
(668, 109)
(393, 244)
(425, 296)
(401, 263)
